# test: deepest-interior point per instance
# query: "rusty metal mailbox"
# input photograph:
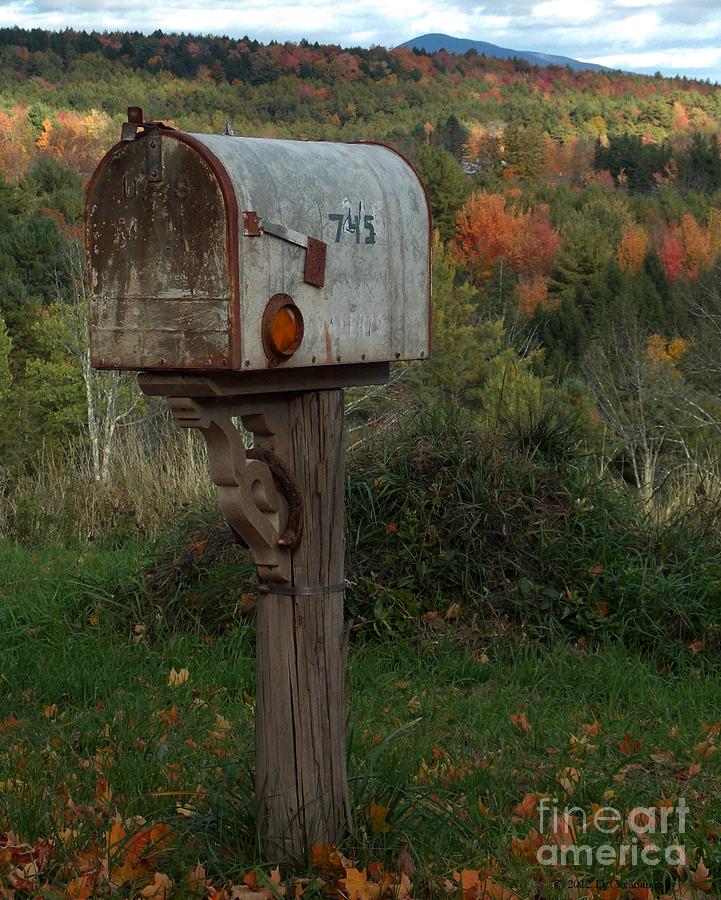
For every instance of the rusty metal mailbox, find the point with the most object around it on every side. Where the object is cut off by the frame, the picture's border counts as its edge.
(218, 253)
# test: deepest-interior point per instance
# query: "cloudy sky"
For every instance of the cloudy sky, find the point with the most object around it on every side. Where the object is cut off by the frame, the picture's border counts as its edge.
(671, 36)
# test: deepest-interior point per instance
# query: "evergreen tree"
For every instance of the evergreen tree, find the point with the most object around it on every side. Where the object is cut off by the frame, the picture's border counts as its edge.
(446, 185)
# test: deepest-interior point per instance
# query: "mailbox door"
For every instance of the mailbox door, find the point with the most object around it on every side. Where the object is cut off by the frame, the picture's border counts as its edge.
(160, 246)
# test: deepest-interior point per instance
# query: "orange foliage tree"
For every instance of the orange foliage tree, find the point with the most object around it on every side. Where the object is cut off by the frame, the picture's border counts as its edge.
(488, 230)
(686, 248)
(16, 143)
(78, 138)
(632, 248)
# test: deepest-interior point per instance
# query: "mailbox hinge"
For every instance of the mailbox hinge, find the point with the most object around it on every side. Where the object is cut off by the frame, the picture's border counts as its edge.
(154, 151)
(315, 250)
(257, 494)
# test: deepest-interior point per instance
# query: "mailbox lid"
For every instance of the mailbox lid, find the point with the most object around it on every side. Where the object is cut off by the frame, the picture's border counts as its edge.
(160, 258)
(367, 204)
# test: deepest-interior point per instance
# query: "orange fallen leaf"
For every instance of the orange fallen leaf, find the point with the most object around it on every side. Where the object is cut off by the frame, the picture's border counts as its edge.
(326, 858)
(521, 721)
(696, 646)
(160, 887)
(358, 887)
(562, 830)
(525, 849)
(592, 729)
(170, 716)
(568, 779)
(377, 816)
(663, 756)
(629, 746)
(82, 887)
(474, 887)
(198, 880)
(705, 749)
(526, 808)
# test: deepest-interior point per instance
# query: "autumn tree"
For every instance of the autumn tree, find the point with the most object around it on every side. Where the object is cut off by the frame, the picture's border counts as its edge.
(632, 248)
(78, 138)
(487, 229)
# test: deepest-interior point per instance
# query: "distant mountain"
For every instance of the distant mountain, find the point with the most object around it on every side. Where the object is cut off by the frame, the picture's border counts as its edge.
(433, 42)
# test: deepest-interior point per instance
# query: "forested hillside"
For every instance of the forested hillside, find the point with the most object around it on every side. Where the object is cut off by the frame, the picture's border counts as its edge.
(532, 516)
(578, 219)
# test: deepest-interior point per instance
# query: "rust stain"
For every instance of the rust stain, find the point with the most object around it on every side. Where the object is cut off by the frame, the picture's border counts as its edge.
(328, 343)
(174, 239)
(315, 263)
(251, 224)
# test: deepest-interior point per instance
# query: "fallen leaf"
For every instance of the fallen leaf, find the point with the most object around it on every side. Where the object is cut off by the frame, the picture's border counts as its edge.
(521, 721)
(568, 779)
(562, 830)
(700, 877)
(525, 849)
(175, 679)
(696, 646)
(160, 887)
(705, 749)
(453, 612)
(663, 756)
(592, 729)
(526, 809)
(82, 887)
(405, 863)
(377, 815)
(628, 745)
(197, 880)
(358, 887)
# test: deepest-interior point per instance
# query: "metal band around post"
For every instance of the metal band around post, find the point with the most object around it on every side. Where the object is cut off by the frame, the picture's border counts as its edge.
(265, 587)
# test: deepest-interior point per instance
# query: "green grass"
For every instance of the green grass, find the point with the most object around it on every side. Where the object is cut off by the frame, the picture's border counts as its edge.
(90, 727)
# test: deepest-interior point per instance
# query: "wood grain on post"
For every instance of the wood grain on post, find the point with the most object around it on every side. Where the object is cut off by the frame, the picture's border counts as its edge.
(300, 734)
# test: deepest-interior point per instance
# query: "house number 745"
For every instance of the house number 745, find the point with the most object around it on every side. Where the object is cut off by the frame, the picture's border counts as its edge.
(352, 225)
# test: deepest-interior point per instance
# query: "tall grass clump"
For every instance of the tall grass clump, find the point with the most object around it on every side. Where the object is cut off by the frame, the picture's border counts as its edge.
(451, 519)
(151, 482)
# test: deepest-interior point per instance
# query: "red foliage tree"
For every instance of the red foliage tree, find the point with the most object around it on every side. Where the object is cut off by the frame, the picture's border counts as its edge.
(487, 231)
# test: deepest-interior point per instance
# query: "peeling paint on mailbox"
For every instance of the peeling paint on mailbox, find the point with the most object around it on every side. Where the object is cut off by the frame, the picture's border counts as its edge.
(190, 236)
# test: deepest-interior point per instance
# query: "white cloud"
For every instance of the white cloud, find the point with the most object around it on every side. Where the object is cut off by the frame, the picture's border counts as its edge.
(670, 60)
(566, 11)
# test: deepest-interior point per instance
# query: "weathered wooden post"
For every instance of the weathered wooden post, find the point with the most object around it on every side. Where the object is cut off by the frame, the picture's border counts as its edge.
(255, 279)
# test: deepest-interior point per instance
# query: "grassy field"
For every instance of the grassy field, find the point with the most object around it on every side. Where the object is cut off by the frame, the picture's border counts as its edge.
(110, 728)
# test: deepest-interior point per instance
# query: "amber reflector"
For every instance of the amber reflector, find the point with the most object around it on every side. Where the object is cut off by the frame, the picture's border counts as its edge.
(285, 330)
(282, 328)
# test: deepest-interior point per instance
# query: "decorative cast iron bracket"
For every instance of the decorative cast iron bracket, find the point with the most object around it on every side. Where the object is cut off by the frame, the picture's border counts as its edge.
(257, 493)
